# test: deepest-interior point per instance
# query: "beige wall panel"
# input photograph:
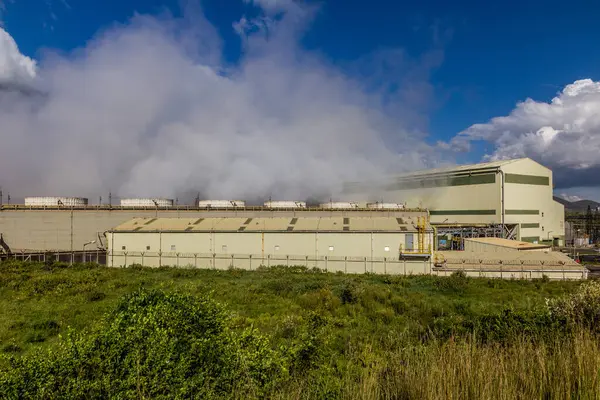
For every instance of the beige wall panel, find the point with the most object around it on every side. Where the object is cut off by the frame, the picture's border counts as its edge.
(51, 229)
(526, 167)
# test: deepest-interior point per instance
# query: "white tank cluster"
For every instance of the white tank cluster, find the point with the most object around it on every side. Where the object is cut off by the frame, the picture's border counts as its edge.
(285, 204)
(386, 206)
(146, 202)
(339, 205)
(221, 204)
(56, 201)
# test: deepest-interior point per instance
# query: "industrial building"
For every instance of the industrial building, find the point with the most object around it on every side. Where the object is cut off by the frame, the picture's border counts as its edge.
(510, 199)
(346, 244)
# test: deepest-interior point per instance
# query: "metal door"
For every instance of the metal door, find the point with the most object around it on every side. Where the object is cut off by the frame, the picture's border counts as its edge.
(409, 242)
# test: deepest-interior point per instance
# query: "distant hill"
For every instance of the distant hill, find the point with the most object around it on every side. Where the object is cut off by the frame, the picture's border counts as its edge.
(580, 205)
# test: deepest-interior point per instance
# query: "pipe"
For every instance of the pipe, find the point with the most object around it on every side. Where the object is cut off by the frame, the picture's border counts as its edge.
(502, 201)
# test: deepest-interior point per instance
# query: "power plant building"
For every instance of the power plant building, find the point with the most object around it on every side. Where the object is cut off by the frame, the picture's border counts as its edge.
(345, 244)
(510, 199)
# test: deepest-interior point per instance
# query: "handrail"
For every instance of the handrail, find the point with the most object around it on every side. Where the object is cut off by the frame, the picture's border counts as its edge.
(24, 207)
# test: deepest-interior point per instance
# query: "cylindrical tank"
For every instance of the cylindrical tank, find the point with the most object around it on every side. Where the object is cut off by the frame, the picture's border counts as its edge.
(56, 201)
(386, 206)
(221, 204)
(339, 204)
(285, 204)
(148, 202)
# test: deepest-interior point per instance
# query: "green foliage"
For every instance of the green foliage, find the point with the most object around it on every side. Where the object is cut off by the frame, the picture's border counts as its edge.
(152, 345)
(287, 332)
(457, 282)
(579, 308)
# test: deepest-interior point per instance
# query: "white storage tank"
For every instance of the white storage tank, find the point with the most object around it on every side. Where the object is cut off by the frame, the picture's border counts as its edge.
(339, 204)
(221, 204)
(146, 202)
(56, 201)
(385, 206)
(285, 204)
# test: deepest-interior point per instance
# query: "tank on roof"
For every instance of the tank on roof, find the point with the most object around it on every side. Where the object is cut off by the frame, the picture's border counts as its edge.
(339, 204)
(146, 202)
(285, 204)
(386, 206)
(221, 204)
(56, 201)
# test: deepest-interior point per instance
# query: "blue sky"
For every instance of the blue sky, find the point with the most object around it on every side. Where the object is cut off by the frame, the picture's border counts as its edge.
(473, 60)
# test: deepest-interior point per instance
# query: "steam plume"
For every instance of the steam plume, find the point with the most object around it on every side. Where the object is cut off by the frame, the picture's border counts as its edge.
(149, 109)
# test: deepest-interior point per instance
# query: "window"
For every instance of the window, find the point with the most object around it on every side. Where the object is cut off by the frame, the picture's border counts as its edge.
(276, 247)
(123, 247)
(147, 247)
(542, 229)
(172, 247)
(542, 214)
(386, 248)
(224, 248)
(330, 248)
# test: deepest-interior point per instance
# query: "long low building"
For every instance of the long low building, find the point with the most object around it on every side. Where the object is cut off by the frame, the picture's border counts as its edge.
(66, 229)
(346, 244)
(509, 198)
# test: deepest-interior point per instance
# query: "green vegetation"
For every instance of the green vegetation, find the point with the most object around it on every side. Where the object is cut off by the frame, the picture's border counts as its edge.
(93, 332)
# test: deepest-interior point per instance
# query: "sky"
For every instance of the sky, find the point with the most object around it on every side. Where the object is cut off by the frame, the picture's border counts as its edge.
(288, 99)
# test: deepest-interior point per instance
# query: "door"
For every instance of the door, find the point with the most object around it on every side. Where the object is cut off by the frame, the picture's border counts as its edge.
(409, 242)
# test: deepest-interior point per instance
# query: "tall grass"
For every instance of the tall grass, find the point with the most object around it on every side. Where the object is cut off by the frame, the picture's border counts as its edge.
(292, 334)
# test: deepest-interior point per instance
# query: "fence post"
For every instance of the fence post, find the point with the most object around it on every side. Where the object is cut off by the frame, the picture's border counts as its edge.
(385, 265)
(288, 260)
(346, 264)
(365, 265)
(250, 262)
(195, 260)
(326, 262)
(268, 261)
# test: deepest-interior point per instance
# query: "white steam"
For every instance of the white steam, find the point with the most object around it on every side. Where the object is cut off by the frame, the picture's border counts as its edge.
(147, 109)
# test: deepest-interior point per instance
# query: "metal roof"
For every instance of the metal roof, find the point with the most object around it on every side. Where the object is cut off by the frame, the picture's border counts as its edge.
(269, 224)
(513, 244)
(461, 168)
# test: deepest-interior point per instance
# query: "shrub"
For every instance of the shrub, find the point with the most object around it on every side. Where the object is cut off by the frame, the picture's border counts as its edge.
(349, 293)
(457, 282)
(152, 345)
(579, 308)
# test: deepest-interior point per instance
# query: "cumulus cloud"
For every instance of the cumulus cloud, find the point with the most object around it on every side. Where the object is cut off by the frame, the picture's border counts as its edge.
(563, 134)
(148, 109)
(15, 68)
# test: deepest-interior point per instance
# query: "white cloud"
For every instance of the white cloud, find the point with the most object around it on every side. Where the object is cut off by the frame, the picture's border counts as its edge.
(563, 134)
(147, 109)
(14, 66)
(571, 197)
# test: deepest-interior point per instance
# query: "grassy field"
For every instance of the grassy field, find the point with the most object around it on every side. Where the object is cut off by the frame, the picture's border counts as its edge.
(291, 333)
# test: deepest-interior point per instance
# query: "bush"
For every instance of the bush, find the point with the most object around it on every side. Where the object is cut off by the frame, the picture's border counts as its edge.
(579, 308)
(152, 345)
(457, 282)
